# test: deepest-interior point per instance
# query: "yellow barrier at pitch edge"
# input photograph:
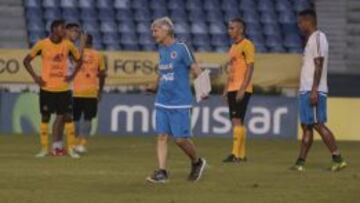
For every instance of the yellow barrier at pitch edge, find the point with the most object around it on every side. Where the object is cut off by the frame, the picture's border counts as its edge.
(134, 68)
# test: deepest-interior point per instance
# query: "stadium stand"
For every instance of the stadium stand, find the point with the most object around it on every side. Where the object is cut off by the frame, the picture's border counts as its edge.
(124, 24)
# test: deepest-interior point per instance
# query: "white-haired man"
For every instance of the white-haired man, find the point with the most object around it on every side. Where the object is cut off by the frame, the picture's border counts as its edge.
(174, 100)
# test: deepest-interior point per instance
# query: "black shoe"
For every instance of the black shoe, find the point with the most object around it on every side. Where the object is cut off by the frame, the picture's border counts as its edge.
(197, 170)
(158, 176)
(233, 159)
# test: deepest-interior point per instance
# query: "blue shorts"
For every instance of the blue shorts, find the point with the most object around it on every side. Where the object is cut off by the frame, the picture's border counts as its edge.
(312, 114)
(175, 122)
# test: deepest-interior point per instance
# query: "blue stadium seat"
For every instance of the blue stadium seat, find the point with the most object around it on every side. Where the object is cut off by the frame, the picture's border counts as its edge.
(212, 5)
(110, 38)
(253, 29)
(108, 26)
(271, 29)
(112, 47)
(290, 28)
(124, 15)
(33, 12)
(179, 15)
(295, 50)
(98, 45)
(36, 26)
(50, 3)
(176, 4)
(220, 40)
(247, 5)
(273, 41)
(106, 14)
(222, 49)
(71, 14)
(32, 3)
(126, 27)
(265, 6)
(292, 41)
(251, 16)
(105, 4)
(143, 27)
(194, 5)
(268, 18)
(196, 15)
(257, 39)
(277, 49)
(52, 13)
(203, 48)
(145, 39)
(148, 47)
(214, 16)
(159, 12)
(69, 3)
(128, 39)
(199, 28)
(140, 4)
(35, 36)
(142, 15)
(181, 28)
(301, 5)
(88, 14)
(158, 4)
(217, 28)
(230, 14)
(183, 37)
(287, 17)
(201, 40)
(122, 4)
(229, 5)
(91, 26)
(87, 4)
(283, 5)
(261, 49)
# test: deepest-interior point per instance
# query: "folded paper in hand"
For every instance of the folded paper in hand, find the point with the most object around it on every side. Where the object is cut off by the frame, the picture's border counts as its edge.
(202, 86)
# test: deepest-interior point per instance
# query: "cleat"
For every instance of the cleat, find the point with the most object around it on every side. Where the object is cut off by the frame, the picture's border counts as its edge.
(42, 153)
(158, 176)
(80, 149)
(73, 154)
(338, 166)
(298, 167)
(197, 170)
(233, 159)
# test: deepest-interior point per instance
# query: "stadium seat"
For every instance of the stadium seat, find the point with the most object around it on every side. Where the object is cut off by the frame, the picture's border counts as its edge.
(33, 12)
(126, 27)
(196, 15)
(257, 39)
(290, 28)
(293, 41)
(199, 28)
(253, 29)
(251, 17)
(230, 14)
(222, 49)
(220, 40)
(106, 14)
(229, 5)
(159, 12)
(277, 49)
(158, 4)
(140, 4)
(142, 15)
(128, 39)
(69, 3)
(110, 38)
(265, 6)
(88, 14)
(145, 39)
(124, 15)
(105, 4)
(247, 5)
(112, 47)
(217, 28)
(178, 15)
(194, 5)
(287, 17)
(268, 18)
(34, 36)
(122, 4)
(214, 16)
(295, 50)
(176, 4)
(183, 37)
(32, 4)
(203, 48)
(271, 29)
(36, 26)
(52, 14)
(108, 26)
(261, 49)
(148, 47)
(273, 41)
(201, 40)
(283, 5)
(91, 26)
(301, 5)
(50, 3)
(99, 46)
(70, 14)
(143, 27)
(87, 4)
(181, 28)
(211, 5)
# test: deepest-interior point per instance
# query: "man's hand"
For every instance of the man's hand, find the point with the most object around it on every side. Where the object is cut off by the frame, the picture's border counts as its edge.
(240, 94)
(313, 97)
(38, 80)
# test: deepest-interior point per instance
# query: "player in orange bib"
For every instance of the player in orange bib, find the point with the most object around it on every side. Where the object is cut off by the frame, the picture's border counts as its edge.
(239, 87)
(87, 87)
(55, 94)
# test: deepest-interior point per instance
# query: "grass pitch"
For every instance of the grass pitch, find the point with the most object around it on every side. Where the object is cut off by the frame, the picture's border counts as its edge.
(115, 169)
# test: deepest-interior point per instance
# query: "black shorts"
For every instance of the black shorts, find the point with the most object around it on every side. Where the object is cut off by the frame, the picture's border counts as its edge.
(55, 102)
(86, 107)
(237, 109)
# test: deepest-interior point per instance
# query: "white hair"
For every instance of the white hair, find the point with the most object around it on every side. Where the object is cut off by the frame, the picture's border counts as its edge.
(164, 23)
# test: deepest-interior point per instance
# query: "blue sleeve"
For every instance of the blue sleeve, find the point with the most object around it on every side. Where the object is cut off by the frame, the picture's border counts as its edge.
(188, 55)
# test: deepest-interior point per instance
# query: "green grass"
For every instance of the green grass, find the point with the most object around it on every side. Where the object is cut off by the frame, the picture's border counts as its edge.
(115, 169)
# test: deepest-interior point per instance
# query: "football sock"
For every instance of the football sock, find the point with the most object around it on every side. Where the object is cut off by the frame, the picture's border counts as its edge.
(236, 141)
(242, 137)
(44, 135)
(70, 134)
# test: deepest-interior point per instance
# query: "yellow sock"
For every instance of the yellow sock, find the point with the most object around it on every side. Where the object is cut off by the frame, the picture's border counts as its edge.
(242, 143)
(44, 136)
(82, 141)
(236, 141)
(70, 135)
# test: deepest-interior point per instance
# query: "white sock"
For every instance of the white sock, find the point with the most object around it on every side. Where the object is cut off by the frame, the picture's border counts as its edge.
(58, 145)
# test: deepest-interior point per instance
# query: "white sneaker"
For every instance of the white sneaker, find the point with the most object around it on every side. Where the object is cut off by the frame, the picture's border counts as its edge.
(43, 153)
(72, 153)
(80, 149)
